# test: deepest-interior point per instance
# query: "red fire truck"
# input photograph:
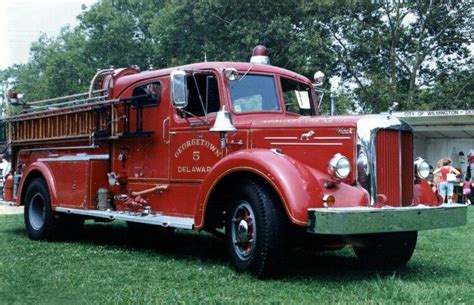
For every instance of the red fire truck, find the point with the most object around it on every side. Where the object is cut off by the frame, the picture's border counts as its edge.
(236, 149)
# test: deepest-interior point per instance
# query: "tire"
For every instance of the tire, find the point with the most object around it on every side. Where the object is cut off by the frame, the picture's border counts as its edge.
(255, 231)
(40, 221)
(385, 249)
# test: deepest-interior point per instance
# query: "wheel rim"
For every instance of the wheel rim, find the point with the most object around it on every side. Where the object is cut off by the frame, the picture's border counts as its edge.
(243, 230)
(37, 211)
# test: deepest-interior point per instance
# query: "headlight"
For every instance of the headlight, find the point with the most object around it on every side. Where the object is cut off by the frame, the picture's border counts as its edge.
(339, 166)
(422, 168)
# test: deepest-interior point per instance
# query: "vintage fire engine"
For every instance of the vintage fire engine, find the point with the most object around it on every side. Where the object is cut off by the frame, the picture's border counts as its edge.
(237, 149)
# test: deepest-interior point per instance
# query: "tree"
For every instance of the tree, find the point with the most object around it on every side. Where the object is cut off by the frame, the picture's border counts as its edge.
(396, 50)
(188, 31)
(56, 67)
(111, 33)
(383, 51)
(118, 33)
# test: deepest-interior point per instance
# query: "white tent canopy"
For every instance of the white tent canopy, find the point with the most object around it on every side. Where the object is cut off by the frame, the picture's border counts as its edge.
(442, 133)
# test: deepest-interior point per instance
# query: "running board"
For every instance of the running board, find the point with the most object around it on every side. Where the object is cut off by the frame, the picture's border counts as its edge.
(160, 220)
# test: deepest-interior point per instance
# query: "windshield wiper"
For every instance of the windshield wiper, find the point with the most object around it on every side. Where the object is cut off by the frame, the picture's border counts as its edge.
(200, 97)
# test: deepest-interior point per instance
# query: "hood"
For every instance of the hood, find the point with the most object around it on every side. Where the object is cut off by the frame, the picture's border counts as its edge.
(313, 141)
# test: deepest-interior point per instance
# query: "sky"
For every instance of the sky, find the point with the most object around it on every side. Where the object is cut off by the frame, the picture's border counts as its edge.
(23, 21)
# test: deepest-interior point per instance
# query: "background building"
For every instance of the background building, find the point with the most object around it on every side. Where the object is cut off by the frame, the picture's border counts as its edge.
(442, 133)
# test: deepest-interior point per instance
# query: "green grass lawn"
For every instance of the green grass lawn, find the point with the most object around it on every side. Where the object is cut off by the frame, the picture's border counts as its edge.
(106, 267)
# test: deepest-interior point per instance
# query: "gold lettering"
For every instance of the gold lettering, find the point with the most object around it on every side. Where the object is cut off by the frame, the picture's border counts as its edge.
(197, 142)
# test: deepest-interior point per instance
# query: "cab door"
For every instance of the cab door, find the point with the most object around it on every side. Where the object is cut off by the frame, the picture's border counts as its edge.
(194, 149)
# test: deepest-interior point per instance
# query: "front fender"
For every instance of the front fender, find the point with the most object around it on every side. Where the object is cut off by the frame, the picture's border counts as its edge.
(295, 184)
(38, 169)
(423, 194)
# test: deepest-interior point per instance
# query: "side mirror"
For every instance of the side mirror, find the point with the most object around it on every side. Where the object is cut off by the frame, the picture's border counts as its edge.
(179, 93)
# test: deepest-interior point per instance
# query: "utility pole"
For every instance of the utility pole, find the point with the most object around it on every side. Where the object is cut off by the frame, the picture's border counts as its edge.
(4, 105)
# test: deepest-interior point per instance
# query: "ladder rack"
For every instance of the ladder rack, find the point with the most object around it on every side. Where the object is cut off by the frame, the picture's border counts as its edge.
(72, 122)
(76, 117)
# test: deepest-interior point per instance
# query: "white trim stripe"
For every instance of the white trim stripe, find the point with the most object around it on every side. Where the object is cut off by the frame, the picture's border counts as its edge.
(78, 157)
(305, 144)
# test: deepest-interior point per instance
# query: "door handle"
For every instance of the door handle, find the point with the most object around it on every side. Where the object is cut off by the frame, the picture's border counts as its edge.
(166, 126)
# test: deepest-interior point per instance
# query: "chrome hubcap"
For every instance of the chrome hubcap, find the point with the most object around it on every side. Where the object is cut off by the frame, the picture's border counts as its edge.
(243, 230)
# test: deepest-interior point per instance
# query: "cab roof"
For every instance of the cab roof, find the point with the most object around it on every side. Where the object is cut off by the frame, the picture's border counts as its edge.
(125, 81)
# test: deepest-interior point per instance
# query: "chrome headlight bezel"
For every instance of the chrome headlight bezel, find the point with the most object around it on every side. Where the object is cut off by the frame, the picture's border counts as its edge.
(339, 166)
(422, 168)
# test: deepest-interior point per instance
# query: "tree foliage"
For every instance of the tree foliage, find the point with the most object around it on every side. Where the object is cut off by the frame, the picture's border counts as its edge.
(397, 51)
(411, 52)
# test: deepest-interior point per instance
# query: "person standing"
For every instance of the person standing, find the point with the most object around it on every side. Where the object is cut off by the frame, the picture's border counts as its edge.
(446, 186)
(5, 168)
(437, 176)
(469, 179)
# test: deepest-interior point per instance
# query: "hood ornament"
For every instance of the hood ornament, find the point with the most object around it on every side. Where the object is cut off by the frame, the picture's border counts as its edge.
(306, 136)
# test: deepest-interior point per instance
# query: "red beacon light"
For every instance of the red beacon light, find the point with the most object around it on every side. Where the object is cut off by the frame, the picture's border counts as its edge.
(259, 55)
(13, 98)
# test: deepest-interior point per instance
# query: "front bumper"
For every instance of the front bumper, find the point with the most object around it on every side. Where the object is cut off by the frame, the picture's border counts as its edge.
(360, 220)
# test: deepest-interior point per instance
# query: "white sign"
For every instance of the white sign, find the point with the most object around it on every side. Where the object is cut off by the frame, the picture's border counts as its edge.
(432, 113)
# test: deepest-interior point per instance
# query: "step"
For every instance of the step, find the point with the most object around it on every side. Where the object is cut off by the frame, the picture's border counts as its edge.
(153, 219)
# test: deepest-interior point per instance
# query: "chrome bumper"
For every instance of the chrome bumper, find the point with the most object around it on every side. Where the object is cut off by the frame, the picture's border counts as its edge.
(360, 220)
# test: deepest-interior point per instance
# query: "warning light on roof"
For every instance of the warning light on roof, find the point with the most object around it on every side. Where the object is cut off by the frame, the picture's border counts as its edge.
(259, 55)
(13, 98)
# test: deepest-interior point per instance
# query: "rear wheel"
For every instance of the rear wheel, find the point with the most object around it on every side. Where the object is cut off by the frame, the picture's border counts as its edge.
(40, 221)
(385, 249)
(255, 233)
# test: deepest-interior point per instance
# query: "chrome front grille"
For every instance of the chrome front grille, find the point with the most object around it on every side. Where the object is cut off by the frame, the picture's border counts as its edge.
(387, 144)
(394, 166)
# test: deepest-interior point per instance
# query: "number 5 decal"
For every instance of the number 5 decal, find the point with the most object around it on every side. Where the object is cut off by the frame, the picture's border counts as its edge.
(196, 155)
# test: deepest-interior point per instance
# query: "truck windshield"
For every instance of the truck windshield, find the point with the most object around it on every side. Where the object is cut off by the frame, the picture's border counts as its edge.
(297, 96)
(253, 93)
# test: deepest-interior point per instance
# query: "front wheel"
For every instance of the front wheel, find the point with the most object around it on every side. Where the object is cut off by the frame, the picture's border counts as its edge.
(255, 230)
(385, 249)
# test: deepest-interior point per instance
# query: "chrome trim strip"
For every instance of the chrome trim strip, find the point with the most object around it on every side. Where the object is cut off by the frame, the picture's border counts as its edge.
(361, 220)
(78, 157)
(305, 144)
(61, 148)
(281, 138)
(332, 138)
(160, 220)
(367, 129)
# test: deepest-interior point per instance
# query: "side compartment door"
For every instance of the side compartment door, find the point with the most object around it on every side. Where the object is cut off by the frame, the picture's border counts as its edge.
(141, 153)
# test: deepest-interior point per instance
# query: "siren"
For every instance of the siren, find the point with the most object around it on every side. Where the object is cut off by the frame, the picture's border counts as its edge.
(259, 55)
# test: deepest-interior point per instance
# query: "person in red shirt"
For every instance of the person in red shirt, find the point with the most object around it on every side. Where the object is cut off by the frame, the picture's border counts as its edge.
(446, 187)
